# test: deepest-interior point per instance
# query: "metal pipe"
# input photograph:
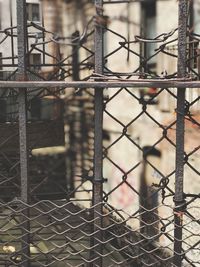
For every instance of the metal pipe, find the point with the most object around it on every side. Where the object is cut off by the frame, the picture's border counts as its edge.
(180, 129)
(22, 44)
(98, 144)
(11, 30)
(141, 83)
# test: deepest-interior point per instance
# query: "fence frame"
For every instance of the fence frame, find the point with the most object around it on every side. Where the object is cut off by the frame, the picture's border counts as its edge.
(99, 82)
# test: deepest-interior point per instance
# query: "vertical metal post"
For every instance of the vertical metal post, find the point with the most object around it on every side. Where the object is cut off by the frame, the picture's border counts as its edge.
(98, 131)
(75, 56)
(143, 48)
(42, 7)
(180, 128)
(22, 44)
(12, 38)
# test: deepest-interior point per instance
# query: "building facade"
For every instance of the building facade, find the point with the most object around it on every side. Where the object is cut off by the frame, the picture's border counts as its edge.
(135, 119)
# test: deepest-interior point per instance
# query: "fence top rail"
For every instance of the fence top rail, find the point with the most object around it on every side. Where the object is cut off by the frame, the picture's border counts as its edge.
(141, 83)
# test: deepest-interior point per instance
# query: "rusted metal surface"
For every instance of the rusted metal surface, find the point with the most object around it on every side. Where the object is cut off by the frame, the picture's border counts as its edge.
(98, 142)
(99, 158)
(141, 83)
(180, 134)
(23, 146)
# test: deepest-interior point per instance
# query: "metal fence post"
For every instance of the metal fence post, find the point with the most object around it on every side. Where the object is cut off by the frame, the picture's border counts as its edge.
(102, 236)
(98, 157)
(180, 128)
(22, 43)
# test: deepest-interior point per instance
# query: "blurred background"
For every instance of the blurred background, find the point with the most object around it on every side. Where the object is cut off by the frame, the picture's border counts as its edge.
(56, 224)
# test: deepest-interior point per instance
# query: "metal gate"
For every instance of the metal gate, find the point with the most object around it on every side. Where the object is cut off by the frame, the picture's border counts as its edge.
(91, 173)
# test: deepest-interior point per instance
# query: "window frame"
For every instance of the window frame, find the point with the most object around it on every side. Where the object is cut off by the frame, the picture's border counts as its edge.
(29, 11)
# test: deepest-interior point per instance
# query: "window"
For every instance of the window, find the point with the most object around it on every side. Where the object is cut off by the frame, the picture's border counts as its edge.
(196, 15)
(195, 63)
(1, 61)
(0, 15)
(149, 29)
(33, 12)
(1, 72)
(35, 61)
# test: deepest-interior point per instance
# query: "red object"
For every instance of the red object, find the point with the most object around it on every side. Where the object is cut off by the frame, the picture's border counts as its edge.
(152, 90)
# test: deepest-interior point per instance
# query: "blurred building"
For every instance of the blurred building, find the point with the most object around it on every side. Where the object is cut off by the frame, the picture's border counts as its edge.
(69, 23)
(67, 20)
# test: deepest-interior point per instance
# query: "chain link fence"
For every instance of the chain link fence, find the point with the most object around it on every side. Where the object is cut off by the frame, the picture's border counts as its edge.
(99, 134)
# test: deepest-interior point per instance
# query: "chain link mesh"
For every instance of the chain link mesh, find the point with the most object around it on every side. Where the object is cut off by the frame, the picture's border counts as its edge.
(133, 215)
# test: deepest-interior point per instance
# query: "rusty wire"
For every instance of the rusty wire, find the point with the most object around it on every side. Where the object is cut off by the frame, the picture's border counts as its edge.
(102, 164)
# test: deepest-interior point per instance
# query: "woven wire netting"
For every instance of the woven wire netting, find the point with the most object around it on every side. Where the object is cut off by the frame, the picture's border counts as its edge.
(131, 217)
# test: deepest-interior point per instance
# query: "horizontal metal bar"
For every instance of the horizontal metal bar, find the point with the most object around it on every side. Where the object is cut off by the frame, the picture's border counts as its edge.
(128, 1)
(142, 83)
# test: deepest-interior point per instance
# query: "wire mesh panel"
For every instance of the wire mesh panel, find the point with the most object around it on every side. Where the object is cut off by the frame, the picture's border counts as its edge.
(99, 133)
